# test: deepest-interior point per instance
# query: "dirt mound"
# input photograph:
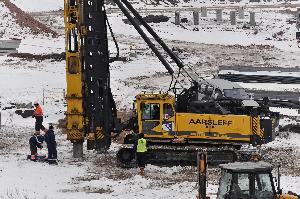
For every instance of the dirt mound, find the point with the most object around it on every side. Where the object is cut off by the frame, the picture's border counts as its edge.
(24, 113)
(290, 128)
(150, 19)
(25, 20)
(156, 18)
(62, 125)
(167, 2)
(152, 2)
(31, 57)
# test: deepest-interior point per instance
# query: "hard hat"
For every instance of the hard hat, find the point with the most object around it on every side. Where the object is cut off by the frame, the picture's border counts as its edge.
(36, 102)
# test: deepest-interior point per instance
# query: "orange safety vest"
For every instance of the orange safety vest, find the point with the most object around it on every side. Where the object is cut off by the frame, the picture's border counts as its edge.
(38, 111)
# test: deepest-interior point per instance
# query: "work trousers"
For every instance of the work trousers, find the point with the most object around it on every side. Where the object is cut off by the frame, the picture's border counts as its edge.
(33, 152)
(52, 152)
(141, 159)
(39, 123)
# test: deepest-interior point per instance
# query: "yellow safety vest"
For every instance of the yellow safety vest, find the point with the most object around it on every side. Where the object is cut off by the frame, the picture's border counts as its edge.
(142, 145)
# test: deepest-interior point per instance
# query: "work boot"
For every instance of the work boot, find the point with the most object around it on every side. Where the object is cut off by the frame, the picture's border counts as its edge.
(33, 158)
(52, 162)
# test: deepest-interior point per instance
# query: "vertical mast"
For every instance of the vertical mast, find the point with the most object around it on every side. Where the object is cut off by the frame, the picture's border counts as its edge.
(74, 76)
(90, 105)
(95, 60)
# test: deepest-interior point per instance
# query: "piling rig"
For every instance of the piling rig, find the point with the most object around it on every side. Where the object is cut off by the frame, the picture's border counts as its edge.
(176, 126)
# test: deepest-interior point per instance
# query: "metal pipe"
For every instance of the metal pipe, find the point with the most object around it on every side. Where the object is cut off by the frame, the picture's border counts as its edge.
(144, 36)
(176, 59)
(202, 169)
(153, 33)
(278, 185)
(190, 76)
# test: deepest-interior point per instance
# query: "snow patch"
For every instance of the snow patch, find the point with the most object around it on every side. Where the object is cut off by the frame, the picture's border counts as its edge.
(39, 5)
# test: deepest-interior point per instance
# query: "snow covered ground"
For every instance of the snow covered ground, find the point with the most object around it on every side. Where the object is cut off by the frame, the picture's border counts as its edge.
(39, 5)
(212, 32)
(50, 5)
(98, 176)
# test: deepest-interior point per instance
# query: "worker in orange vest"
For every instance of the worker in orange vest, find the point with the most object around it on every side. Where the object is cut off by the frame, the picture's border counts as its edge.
(38, 115)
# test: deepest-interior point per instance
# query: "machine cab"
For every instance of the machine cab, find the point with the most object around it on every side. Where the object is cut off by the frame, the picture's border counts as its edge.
(154, 111)
(246, 180)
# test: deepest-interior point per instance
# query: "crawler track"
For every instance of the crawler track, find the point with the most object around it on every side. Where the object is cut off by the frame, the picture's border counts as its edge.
(178, 155)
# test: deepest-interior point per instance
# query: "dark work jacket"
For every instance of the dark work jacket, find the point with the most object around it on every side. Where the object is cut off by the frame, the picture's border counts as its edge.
(50, 138)
(36, 141)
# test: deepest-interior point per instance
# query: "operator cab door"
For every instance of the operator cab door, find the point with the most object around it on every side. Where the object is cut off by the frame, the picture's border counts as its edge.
(168, 120)
(234, 186)
(150, 117)
(246, 186)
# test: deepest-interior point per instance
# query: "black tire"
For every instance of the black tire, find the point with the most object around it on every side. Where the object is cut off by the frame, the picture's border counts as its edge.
(126, 155)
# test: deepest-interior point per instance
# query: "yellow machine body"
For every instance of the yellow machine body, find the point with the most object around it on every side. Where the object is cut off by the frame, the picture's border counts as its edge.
(287, 196)
(75, 118)
(165, 123)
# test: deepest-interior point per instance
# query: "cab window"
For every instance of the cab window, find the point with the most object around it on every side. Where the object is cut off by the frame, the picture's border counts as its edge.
(202, 88)
(168, 109)
(263, 186)
(224, 184)
(150, 111)
(240, 185)
(209, 90)
(243, 182)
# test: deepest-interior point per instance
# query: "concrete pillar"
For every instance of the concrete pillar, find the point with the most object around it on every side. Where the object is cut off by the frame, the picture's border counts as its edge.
(297, 15)
(232, 17)
(219, 15)
(196, 17)
(177, 18)
(203, 11)
(252, 19)
(78, 149)
(241, 12)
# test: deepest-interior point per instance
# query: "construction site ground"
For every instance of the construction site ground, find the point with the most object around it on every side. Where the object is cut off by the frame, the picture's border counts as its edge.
(38, 72)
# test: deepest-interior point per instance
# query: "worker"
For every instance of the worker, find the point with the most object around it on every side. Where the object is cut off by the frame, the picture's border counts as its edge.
(38, 115)
(35, 142)
(141, 149)
(155, 112)
(51, 145)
